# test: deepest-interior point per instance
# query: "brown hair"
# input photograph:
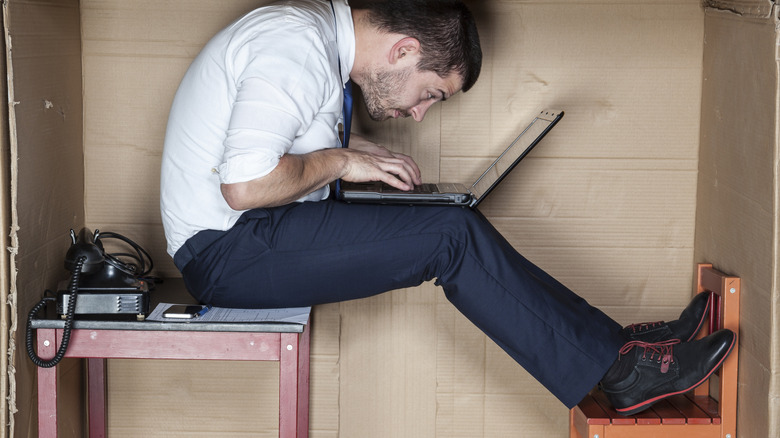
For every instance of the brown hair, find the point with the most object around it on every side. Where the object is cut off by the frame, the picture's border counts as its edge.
(446, 30)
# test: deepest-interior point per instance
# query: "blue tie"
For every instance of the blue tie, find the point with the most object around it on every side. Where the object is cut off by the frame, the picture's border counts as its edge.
(347, 112)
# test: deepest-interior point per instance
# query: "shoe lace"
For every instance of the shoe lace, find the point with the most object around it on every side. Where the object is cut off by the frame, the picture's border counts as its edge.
(664, 351)
(642, 326)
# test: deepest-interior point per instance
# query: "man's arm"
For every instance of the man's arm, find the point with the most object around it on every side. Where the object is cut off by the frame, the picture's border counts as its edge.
(298, 175)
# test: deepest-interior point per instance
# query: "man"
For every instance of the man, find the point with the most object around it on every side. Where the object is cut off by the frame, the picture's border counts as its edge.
(252, 144)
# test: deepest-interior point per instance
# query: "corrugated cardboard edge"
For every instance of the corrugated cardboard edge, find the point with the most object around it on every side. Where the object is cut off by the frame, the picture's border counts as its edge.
(768, 11)
(746, 8)
(774, 389)
(774, 383)
(8, 312)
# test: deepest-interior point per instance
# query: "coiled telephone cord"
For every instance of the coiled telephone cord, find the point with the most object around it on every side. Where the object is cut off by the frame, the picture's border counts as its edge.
(73, 289)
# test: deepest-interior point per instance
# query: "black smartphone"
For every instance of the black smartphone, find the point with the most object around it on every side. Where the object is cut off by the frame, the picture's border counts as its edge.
(183, 311)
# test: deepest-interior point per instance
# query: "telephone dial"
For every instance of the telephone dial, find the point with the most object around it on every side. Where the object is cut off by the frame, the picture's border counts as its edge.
(101, 283)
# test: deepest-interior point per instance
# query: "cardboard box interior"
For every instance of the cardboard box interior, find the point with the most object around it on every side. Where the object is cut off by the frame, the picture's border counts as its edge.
(666, 157)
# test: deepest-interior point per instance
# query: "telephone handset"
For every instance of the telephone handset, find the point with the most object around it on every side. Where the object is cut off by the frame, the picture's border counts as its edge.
(84, 245)
(101, 283)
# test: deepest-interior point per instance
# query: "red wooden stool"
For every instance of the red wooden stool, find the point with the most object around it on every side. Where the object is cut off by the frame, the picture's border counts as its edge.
(708, 411)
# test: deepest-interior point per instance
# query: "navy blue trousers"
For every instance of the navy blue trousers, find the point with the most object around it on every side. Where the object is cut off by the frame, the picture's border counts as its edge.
(320, 252)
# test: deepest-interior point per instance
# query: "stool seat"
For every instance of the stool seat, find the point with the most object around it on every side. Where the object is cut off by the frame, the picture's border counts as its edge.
(101, 339)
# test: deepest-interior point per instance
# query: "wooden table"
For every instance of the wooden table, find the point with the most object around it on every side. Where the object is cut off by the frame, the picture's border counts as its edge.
(98, 340)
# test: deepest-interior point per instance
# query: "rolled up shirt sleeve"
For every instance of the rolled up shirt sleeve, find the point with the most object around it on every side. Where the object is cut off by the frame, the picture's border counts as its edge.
(262, 129)
(275, 103)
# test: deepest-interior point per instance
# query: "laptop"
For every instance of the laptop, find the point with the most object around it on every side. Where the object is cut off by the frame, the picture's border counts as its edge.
(455, 193)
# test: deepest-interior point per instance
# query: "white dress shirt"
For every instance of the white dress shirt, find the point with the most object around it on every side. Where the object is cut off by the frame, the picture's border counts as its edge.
(267, 85)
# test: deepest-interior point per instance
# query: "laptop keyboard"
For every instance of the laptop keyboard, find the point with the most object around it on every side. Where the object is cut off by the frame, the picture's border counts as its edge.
(422, 188)
(425, 188)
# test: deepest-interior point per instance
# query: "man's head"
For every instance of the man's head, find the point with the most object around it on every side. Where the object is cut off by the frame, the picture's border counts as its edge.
(445, 29)
(412, 53)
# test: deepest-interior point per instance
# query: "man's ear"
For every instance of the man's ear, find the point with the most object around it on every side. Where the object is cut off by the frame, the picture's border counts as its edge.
(405, 49)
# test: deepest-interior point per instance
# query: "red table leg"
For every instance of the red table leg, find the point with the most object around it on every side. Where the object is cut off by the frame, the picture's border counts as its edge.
(288, 386)
(47, 385)
(96, 384)
(294, 385)
(303, 384)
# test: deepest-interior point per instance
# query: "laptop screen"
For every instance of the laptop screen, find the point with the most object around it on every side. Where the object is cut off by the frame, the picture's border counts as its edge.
(519, 148)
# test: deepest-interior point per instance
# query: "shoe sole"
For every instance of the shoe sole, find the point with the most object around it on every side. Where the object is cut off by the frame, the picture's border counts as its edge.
(631, 410)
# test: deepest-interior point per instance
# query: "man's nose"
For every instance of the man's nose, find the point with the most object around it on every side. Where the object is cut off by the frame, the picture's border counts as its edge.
(418, 111)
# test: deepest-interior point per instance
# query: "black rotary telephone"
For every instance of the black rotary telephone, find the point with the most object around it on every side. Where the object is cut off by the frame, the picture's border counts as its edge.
(100, 284)
(107, 285)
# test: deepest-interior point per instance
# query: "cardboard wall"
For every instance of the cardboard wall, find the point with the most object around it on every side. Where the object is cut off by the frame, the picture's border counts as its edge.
(47, 182)
(607, 204)
(737, 214)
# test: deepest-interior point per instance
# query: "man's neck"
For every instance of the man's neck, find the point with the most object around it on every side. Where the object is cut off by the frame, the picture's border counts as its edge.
(372, 47)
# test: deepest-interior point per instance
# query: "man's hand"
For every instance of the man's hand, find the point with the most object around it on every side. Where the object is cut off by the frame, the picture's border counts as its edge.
(380, 164)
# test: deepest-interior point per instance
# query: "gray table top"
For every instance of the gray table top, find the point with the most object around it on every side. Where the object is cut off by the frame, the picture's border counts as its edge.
(171, 290)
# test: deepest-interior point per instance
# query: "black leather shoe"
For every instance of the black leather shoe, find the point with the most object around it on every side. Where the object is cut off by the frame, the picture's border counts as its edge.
(685, 328)
(648, 372)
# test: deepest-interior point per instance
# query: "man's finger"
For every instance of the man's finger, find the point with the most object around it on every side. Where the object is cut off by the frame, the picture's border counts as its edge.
(399, 172)
(414, 169)
(391, 180)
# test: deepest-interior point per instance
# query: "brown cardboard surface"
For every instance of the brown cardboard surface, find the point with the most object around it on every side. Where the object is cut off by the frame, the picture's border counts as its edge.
(47, 174)
(460, 394)
(607, 204)
(324, 412)
(72, 380)
(388, 365)
(195, 398)
(745, 8)
(737, 202)
(610, 195)
(547, 55)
